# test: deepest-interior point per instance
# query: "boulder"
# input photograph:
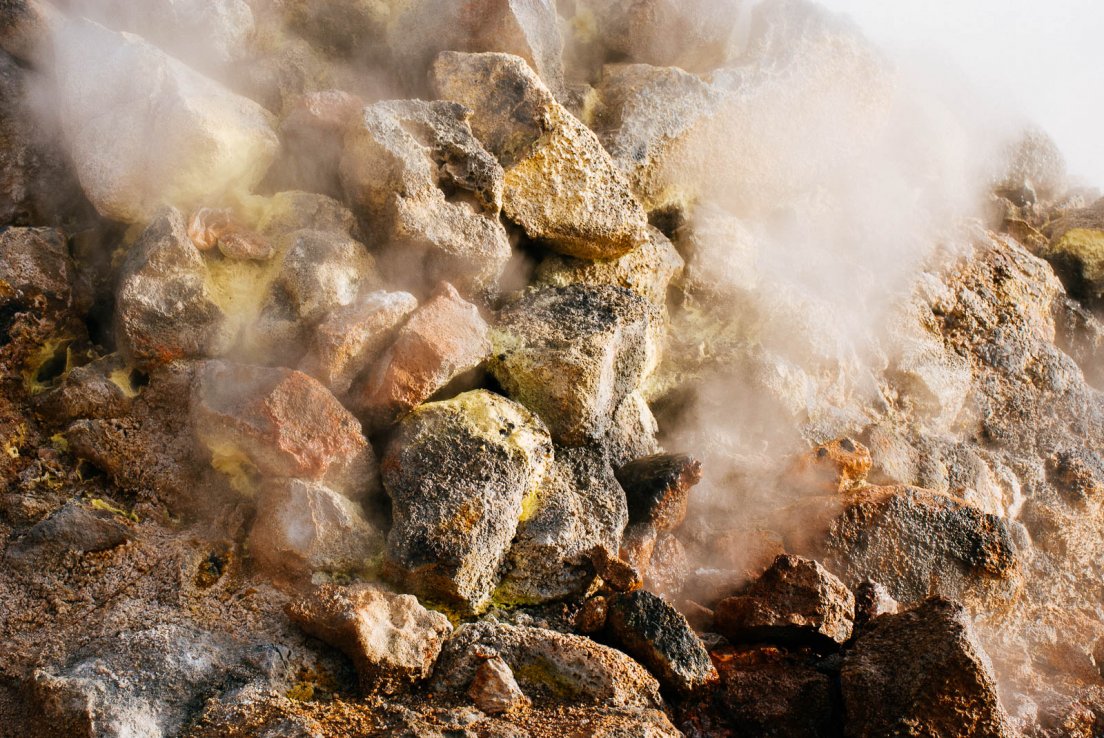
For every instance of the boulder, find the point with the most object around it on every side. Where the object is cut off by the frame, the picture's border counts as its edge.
(658, 488)
(617, 575)
(460, 474)
(578, 507)
(561, 186)
(646, 270)
(917, 542)
(276, 422)
(35, 263)
(323, 271)
(26, 27)
(401, 157)
(143, 683)
(575, 355)
(349, 340)
(765, 691)
(655, 634)
(192, 140)
(921, 672)
(392, 640)
(165, 308)
(649, 141)
(445, 337)
(527, 28)
(494, 690)
(302, 527)
(795, 601)
(1076, 250)
(548, 664)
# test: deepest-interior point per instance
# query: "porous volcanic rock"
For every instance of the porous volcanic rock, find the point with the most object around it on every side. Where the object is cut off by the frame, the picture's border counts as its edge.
(164, 306)
(658, 488)
(795, 601)
(547, 664)
(400, 159)
(445, 337)
(459, 473)
(871, 600)
(494, 689)
(132, 154)
(655, 634)
(35, 262)
(302, 527)
(575, 356)
(561, 185)
(392, 640)
(578, 506)
(921, 672)
(1076, 250)
(279, 423)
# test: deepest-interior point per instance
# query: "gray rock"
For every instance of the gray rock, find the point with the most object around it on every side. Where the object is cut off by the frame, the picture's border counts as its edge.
(566, 668)
(75, 527)
(923, 672)
(146, 683)
(134, 154)
(445, 337)
(494, 690)
(350, 339)
(575, 355)
(646, 270)
(578, 507)
(655, 634)
(279, 423)
(164, 306)
(528, 28)
(302, 527)
(561, 185)
(459, 473)
(795, 601)
(392, 640)
(649, 141)
(400, 159)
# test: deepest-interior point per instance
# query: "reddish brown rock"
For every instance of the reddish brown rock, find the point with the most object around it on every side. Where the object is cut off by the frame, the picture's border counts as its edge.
(591, 617)
(795, 601)
(494, 689)
(279, 423)
(35, 262)
(835, 466)
(637, 545)
(392, 640)
(618, 575)
(668, 567)
(871, 600)
(658, 488)
(443, 338)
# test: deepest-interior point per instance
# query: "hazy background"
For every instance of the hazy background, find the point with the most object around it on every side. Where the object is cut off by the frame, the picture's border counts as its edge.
(1042, 58)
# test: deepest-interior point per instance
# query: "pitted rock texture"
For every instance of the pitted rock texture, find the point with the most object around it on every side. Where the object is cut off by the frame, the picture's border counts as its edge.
(658, 488)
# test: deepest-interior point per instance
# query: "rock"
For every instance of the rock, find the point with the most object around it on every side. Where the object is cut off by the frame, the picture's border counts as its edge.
(766, 691)
(401, 157)
(279, 423)
(527, 28)
(26, 27)
(102, 388)
(656, 635)
(1078, 473)
(548, 664)
(697, 35)
(658, 488)
(646, 270)
(871, 600)
(578, 507)
(164, 306)
(836, 466)
(917, 542)
(648, 141)
(75, 527)
(795, 601)
(574, 355)
(287, 212)
(494, 689)
(1077, 251)
(591, 617)
(616, 574)
(442, 339)
(302, 527)
(350, 338)
(323, 271)
(1035, 164)
(37, 185)
(35, 262)
(460, 473)
(922, 671)
(668, 568)
(142, 683)
(637, 545)
(211, 227)
(561, 186)
(392, 640)
(133, 154)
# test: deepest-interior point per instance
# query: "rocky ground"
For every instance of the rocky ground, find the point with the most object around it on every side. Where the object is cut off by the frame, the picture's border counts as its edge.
(411, 368)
